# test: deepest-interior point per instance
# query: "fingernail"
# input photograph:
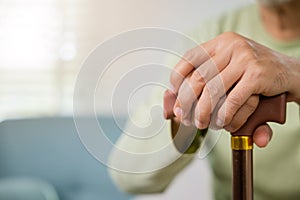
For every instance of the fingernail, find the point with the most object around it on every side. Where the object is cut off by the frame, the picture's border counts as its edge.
(186, 122)
(178, 111)
(220, 122)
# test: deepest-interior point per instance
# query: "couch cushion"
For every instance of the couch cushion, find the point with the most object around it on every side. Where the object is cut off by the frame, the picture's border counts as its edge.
(50, 149)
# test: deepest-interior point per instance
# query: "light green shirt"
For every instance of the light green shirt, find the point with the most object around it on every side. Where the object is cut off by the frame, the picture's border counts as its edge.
(276, 168)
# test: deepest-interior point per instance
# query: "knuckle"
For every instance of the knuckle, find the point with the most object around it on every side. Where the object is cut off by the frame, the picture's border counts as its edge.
(187, 90)
(230, 34)
(186, 97)
(175, 77)
(257, 73)
(196, 76)
(213, 89)
(246, 52)
(249, 54)
(216, 87)
(190, 55)
(241, 43)
(234, 102)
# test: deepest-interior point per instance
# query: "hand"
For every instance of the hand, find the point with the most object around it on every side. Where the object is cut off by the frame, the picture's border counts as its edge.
(261, 136)
(235, 66)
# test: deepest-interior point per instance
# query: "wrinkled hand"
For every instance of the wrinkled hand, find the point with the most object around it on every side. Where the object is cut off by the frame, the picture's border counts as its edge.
(261, 136)
(225, 76)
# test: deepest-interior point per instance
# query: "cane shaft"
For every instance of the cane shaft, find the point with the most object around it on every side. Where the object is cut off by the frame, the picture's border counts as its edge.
(270, 109)
(242, 165)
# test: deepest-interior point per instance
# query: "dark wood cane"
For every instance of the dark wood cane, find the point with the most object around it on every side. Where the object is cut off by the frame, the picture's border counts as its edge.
(270, 109)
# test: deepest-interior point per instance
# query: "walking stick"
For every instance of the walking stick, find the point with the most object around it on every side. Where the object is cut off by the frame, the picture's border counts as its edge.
(270, 109)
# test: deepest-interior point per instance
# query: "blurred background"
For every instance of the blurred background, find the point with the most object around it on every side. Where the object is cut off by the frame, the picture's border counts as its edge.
(44, 42)
(42, 46)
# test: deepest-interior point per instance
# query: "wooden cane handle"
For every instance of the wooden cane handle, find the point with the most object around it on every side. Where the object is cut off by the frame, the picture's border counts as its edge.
(270, 109)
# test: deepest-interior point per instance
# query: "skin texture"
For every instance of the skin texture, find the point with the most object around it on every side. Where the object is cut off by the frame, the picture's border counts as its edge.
(243, 71)
(220, 89)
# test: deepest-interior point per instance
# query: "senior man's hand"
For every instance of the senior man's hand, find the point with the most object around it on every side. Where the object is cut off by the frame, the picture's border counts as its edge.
(226, 75)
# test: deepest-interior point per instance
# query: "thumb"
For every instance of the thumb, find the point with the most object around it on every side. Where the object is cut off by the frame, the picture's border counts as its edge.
(262, 135)
(169, 101)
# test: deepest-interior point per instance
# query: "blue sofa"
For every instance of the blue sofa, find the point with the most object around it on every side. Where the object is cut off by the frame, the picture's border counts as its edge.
(49, 150)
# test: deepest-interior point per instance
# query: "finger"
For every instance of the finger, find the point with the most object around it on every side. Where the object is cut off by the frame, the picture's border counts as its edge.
(262, 135)
(212, 93)
(192, 86)
(169, 101)
(185, 99)
(234, 101)
(188, 121)
(190, 60)
(242, 114)
(214, 114)
(209, 98)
